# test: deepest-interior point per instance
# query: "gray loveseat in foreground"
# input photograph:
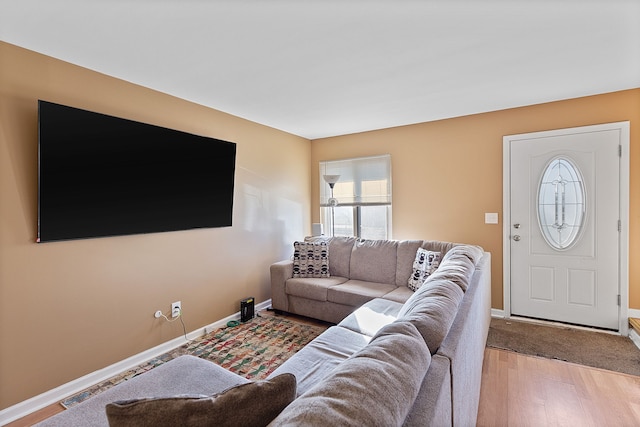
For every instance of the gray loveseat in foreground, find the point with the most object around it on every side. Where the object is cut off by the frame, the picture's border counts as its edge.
(387, 362)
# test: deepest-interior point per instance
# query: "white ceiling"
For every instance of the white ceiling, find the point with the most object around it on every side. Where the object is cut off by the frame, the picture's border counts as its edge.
(319, 68)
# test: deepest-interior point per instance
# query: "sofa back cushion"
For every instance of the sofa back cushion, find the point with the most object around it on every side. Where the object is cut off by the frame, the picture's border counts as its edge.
(432, 309)
(406, 255)
(375, 387)
(374, 261)
(438, 246)
(340, 249)
(339, 253)
(458, 266)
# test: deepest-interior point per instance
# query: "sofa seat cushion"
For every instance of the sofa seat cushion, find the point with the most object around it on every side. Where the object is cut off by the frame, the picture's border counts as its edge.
(321, 356)
(375, 387)
(374, 261)
(432, 309)
(400, 295)
(314, 288)
(356, 292)
(372, 316)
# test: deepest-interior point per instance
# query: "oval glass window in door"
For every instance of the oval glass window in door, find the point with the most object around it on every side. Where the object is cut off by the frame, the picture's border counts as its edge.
(561, 203)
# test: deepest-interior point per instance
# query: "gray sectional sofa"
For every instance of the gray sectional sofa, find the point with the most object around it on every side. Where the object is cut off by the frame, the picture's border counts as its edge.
(367, 294)
(395, 356)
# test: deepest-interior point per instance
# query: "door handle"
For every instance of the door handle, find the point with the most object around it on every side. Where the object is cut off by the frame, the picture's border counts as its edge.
(516, 238)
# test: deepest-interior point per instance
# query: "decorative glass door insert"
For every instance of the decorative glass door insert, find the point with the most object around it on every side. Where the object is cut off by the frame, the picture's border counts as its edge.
(561, 203)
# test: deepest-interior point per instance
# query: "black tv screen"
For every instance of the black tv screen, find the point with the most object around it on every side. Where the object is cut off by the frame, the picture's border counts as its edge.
(100, 175)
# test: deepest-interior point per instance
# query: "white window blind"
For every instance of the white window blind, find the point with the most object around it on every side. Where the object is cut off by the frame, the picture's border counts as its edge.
(362, 193)
(363, 181)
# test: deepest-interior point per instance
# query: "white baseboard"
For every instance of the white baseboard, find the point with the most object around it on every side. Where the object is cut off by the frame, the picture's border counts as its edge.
(57, 394)
(633, 335)
(632, 312)
(497, 313)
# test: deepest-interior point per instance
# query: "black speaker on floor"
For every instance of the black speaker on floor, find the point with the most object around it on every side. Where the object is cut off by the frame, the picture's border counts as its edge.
(247, 309)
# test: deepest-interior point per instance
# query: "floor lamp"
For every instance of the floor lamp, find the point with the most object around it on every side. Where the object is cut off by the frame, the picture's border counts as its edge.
(331, 180)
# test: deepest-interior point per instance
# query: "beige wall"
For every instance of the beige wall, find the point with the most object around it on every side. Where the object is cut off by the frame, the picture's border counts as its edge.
(70, 308)
(447, 174)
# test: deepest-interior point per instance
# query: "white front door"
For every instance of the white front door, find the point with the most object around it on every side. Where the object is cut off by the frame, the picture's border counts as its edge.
(564, 225)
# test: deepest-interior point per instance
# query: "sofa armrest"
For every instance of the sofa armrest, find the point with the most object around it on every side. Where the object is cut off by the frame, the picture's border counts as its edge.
(280, 272)
(465, 344)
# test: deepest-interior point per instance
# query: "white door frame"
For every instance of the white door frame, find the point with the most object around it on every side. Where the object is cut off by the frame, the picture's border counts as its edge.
(623, 127)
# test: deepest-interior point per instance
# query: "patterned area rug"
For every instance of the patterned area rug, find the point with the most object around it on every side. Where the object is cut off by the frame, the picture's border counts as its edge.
(253, 350)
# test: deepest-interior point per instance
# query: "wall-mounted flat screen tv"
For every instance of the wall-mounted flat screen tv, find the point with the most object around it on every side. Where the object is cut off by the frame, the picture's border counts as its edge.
(100, 175)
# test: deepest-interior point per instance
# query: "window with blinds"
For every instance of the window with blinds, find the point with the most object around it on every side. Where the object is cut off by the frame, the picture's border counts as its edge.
(360, 202)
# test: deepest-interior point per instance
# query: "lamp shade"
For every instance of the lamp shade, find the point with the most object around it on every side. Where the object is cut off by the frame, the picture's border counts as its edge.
(331, 179)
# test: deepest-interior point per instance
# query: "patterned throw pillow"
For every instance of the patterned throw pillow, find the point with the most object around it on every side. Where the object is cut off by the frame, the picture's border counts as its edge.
(310, 259)
(425, 263)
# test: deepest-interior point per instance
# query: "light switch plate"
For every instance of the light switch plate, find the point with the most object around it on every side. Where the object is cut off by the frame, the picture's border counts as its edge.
(491, 218)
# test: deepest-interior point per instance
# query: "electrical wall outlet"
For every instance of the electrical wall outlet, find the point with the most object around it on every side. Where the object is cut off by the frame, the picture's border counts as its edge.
(176, 308)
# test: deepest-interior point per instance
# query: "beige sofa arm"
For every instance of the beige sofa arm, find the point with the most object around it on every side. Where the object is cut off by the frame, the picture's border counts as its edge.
(280, 272)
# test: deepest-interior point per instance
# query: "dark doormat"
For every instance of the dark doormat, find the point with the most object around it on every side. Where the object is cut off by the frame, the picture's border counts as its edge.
(596, 349)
